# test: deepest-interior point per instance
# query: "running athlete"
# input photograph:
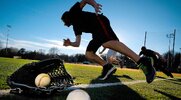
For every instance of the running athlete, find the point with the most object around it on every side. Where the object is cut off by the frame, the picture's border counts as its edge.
(159, 61)
(102, 34)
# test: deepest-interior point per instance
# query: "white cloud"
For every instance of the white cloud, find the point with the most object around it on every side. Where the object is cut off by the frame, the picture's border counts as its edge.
(59, 44)
(44, 44)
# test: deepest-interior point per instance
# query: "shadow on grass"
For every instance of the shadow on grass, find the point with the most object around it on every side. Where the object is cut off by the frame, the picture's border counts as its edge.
(115, 92)
(174, 81)
(58, 96)
(112, 79)
(168, 95)
(124, 76)
(105, 93)
(160, 77)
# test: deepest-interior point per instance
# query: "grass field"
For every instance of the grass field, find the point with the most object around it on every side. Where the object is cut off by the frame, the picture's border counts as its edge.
(162, 88)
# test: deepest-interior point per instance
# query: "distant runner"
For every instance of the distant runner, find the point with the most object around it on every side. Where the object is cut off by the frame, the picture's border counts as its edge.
(159, 61)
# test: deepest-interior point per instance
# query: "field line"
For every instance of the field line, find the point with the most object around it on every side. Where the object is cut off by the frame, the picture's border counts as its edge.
(99, 85)
(96, 85)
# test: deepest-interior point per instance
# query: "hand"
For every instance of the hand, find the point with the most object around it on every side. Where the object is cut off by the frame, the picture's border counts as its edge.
(96, 6)
(66, 42)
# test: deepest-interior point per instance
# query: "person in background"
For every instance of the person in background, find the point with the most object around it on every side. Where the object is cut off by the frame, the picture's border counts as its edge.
(111, 57)
(159, 61)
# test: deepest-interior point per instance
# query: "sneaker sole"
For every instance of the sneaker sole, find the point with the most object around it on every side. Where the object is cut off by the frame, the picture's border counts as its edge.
(152, 63)
(149, 81)
(111, 71)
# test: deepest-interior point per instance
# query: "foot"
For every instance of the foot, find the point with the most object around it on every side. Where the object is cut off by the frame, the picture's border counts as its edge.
(167, 72)
(146, 64)
(107, 71)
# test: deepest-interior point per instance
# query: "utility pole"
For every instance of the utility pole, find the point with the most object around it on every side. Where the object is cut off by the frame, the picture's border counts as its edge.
(145, 39)
(8, 26)
(169, 63)
(171, 58)
(174, 41)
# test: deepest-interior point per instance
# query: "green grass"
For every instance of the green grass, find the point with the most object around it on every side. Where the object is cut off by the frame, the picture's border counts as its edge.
(83, 74)
(8, 66)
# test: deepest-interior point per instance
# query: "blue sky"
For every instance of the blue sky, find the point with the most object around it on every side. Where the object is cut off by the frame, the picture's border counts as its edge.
(36, 24)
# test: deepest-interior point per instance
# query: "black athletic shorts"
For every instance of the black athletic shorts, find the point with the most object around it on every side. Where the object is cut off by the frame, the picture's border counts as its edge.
(102, 37)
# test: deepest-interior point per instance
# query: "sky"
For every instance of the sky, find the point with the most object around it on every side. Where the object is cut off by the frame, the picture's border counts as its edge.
(36, 24)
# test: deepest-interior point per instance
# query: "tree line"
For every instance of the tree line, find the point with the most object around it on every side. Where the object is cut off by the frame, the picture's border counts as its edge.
(172, 60)
(40, 54)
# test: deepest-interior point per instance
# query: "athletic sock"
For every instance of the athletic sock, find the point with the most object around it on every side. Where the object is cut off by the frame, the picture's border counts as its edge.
(105, 64)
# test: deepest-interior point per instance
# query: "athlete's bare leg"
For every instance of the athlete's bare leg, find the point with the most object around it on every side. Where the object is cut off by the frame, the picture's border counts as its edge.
(121, 48)
(118, 46)
(95, 58)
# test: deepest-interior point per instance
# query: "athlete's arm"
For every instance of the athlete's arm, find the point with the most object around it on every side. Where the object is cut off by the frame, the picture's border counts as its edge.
(67, 42)
(140, 53)
(156, 53)
(93, 3)
(161, 57)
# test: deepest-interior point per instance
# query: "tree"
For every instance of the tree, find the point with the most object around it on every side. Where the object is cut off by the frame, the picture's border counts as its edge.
(41, 51)
(80, 58)
(173, 61)
(21, 52)
(8, 52)
(64, 57)
(53, 51)
(30, 55)
(176, 62)
(169, 57)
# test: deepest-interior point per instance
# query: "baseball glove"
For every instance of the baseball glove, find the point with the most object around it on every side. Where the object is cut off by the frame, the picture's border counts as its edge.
(22, 81)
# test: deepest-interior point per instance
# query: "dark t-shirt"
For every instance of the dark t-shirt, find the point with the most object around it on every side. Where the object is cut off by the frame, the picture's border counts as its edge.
(88, 22)
(83, 21)
(149, 53)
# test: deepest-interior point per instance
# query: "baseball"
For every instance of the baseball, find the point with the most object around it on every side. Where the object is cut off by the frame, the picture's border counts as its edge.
(42, 80)
(78, 95)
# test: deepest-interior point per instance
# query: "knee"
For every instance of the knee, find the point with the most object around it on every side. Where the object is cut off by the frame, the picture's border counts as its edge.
(89, 55)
